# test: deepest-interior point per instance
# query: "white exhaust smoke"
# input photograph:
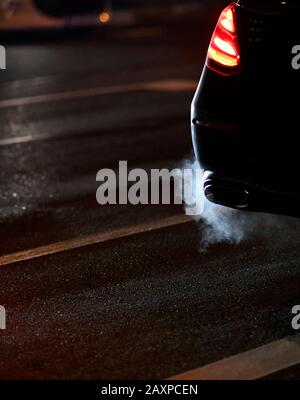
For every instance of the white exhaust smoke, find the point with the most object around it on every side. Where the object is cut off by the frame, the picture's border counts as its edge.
(223, 224)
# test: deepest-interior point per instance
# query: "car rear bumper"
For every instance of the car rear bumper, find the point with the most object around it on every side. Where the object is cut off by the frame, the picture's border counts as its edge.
(245, 195)
(242, 173)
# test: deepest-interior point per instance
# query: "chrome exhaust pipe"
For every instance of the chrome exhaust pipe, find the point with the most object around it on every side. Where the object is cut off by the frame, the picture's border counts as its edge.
(225, 192)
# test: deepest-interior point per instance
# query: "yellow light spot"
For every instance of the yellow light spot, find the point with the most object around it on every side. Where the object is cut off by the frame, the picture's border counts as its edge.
(104, 17)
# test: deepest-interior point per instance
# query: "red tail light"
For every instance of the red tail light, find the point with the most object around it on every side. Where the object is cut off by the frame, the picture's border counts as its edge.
(223, 53)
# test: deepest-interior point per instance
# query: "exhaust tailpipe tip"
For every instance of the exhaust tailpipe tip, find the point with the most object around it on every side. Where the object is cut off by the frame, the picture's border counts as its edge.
(227, 196)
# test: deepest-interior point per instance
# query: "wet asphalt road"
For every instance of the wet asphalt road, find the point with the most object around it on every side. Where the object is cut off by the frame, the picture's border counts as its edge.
(147, 306)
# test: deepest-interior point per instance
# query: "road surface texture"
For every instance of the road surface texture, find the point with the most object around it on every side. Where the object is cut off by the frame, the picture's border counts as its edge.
(122, 291)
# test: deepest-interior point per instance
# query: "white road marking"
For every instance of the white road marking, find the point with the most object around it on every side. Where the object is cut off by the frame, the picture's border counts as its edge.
(27, 138)
(175, 85)
(97, 238)
(164, 85)
(251, 365)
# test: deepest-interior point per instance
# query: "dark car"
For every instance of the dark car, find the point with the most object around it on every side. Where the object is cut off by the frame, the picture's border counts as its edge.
(246, 111)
